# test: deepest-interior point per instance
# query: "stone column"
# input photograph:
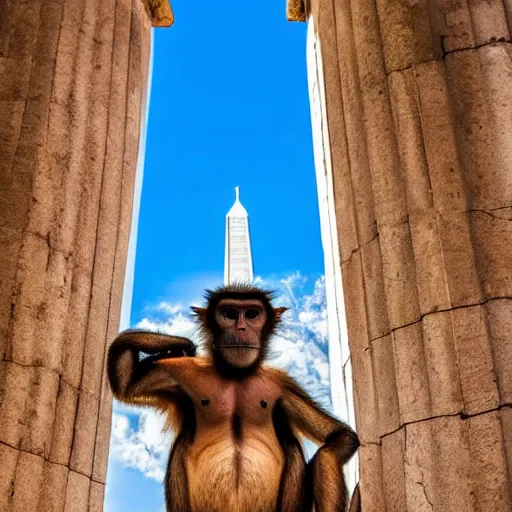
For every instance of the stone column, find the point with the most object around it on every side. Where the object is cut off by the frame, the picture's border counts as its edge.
(419, 106)
(73, 78)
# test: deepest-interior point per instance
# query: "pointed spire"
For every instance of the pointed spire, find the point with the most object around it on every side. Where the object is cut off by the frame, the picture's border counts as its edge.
(237, 210)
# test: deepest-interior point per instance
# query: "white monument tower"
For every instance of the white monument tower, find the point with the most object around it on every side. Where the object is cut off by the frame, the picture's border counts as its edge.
(238, 257)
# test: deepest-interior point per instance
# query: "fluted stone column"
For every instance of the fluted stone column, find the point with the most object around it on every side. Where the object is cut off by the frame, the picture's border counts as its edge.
(419, 107)
(73, 78)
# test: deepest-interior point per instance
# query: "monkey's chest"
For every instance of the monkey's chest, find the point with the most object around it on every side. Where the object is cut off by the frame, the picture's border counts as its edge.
(235, 461)
(235, 472)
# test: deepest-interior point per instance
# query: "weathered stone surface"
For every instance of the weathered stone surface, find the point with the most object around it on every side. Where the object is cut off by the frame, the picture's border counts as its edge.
(28, 483)
(28, 406)
(73, 78)
(433, 294)
(96, 495)
(9, 457)
(400, 288)
(506, 428)
(492, 235)
(65, 417)
(378, 322)
(53, 492)
(386, 392)
(371, 477)
(393, 473)
(442, 365)
(499, 315)
(488, 463)
(462, 277)
(419, 109)
(411, 374)
(77, 493)
(102, 440)
(474, 357)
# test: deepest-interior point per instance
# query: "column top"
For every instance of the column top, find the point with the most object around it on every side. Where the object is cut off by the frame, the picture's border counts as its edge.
(296, 10)
(161, 13)
(237, 210)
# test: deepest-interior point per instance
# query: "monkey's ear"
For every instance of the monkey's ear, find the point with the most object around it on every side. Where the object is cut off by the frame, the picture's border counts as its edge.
(279, 312)
(200, 313)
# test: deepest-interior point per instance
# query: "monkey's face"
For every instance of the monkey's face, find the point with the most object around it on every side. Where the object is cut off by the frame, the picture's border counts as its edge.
(241, 323)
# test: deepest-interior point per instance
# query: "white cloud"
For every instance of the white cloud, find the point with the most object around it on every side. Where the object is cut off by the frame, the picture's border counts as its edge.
(300, 347)
(144, 447)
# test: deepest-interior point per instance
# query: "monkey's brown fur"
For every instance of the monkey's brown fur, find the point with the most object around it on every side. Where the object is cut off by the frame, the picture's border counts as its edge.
(237, 421)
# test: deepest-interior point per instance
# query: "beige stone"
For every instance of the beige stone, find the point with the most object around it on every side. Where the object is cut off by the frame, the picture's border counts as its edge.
(388, 189)
(451, 463)
(77, 493)
(53, 492)
(74, 100)
(39, 414)
(419, 112)
(357, 165)
(442, 364)
(488, 463)
(438, 133)
(406, 33)
(28, 483)
(499, 321)
(411, 374)
(474, 358)
(9, 457)
(371, 478)
(462, 278)
(367, 412)
(364, 392)
(489, 21)
(96, 496)
(347, 230)
(399, 273)
(27, 407)
(377, 314)
(492, 235)
(82, 453)
(506, 427)
(353, 289)
(481, 136)
(15, 386)
(64, 423)
(102, 441)
(393, 471)
(386, 392)
(406, 108)
(433, 292)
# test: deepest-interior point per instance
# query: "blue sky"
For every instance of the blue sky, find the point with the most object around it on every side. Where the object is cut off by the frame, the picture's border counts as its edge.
(229, 106)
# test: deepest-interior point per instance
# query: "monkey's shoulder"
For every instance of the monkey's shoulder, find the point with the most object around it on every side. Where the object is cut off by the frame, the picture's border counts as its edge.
(276, 375)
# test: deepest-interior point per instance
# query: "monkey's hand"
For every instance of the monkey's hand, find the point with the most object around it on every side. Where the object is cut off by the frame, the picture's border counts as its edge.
(131, 369)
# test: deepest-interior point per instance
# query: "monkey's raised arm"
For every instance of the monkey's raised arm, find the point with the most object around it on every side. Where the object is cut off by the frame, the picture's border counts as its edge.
(133, 375)
(338, 443)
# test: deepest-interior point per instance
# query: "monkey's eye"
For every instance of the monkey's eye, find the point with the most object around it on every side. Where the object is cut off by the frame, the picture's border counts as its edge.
(251, 314)
(229, 313)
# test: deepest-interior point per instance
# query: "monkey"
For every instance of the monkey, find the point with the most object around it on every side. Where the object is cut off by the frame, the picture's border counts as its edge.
(238, 423)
